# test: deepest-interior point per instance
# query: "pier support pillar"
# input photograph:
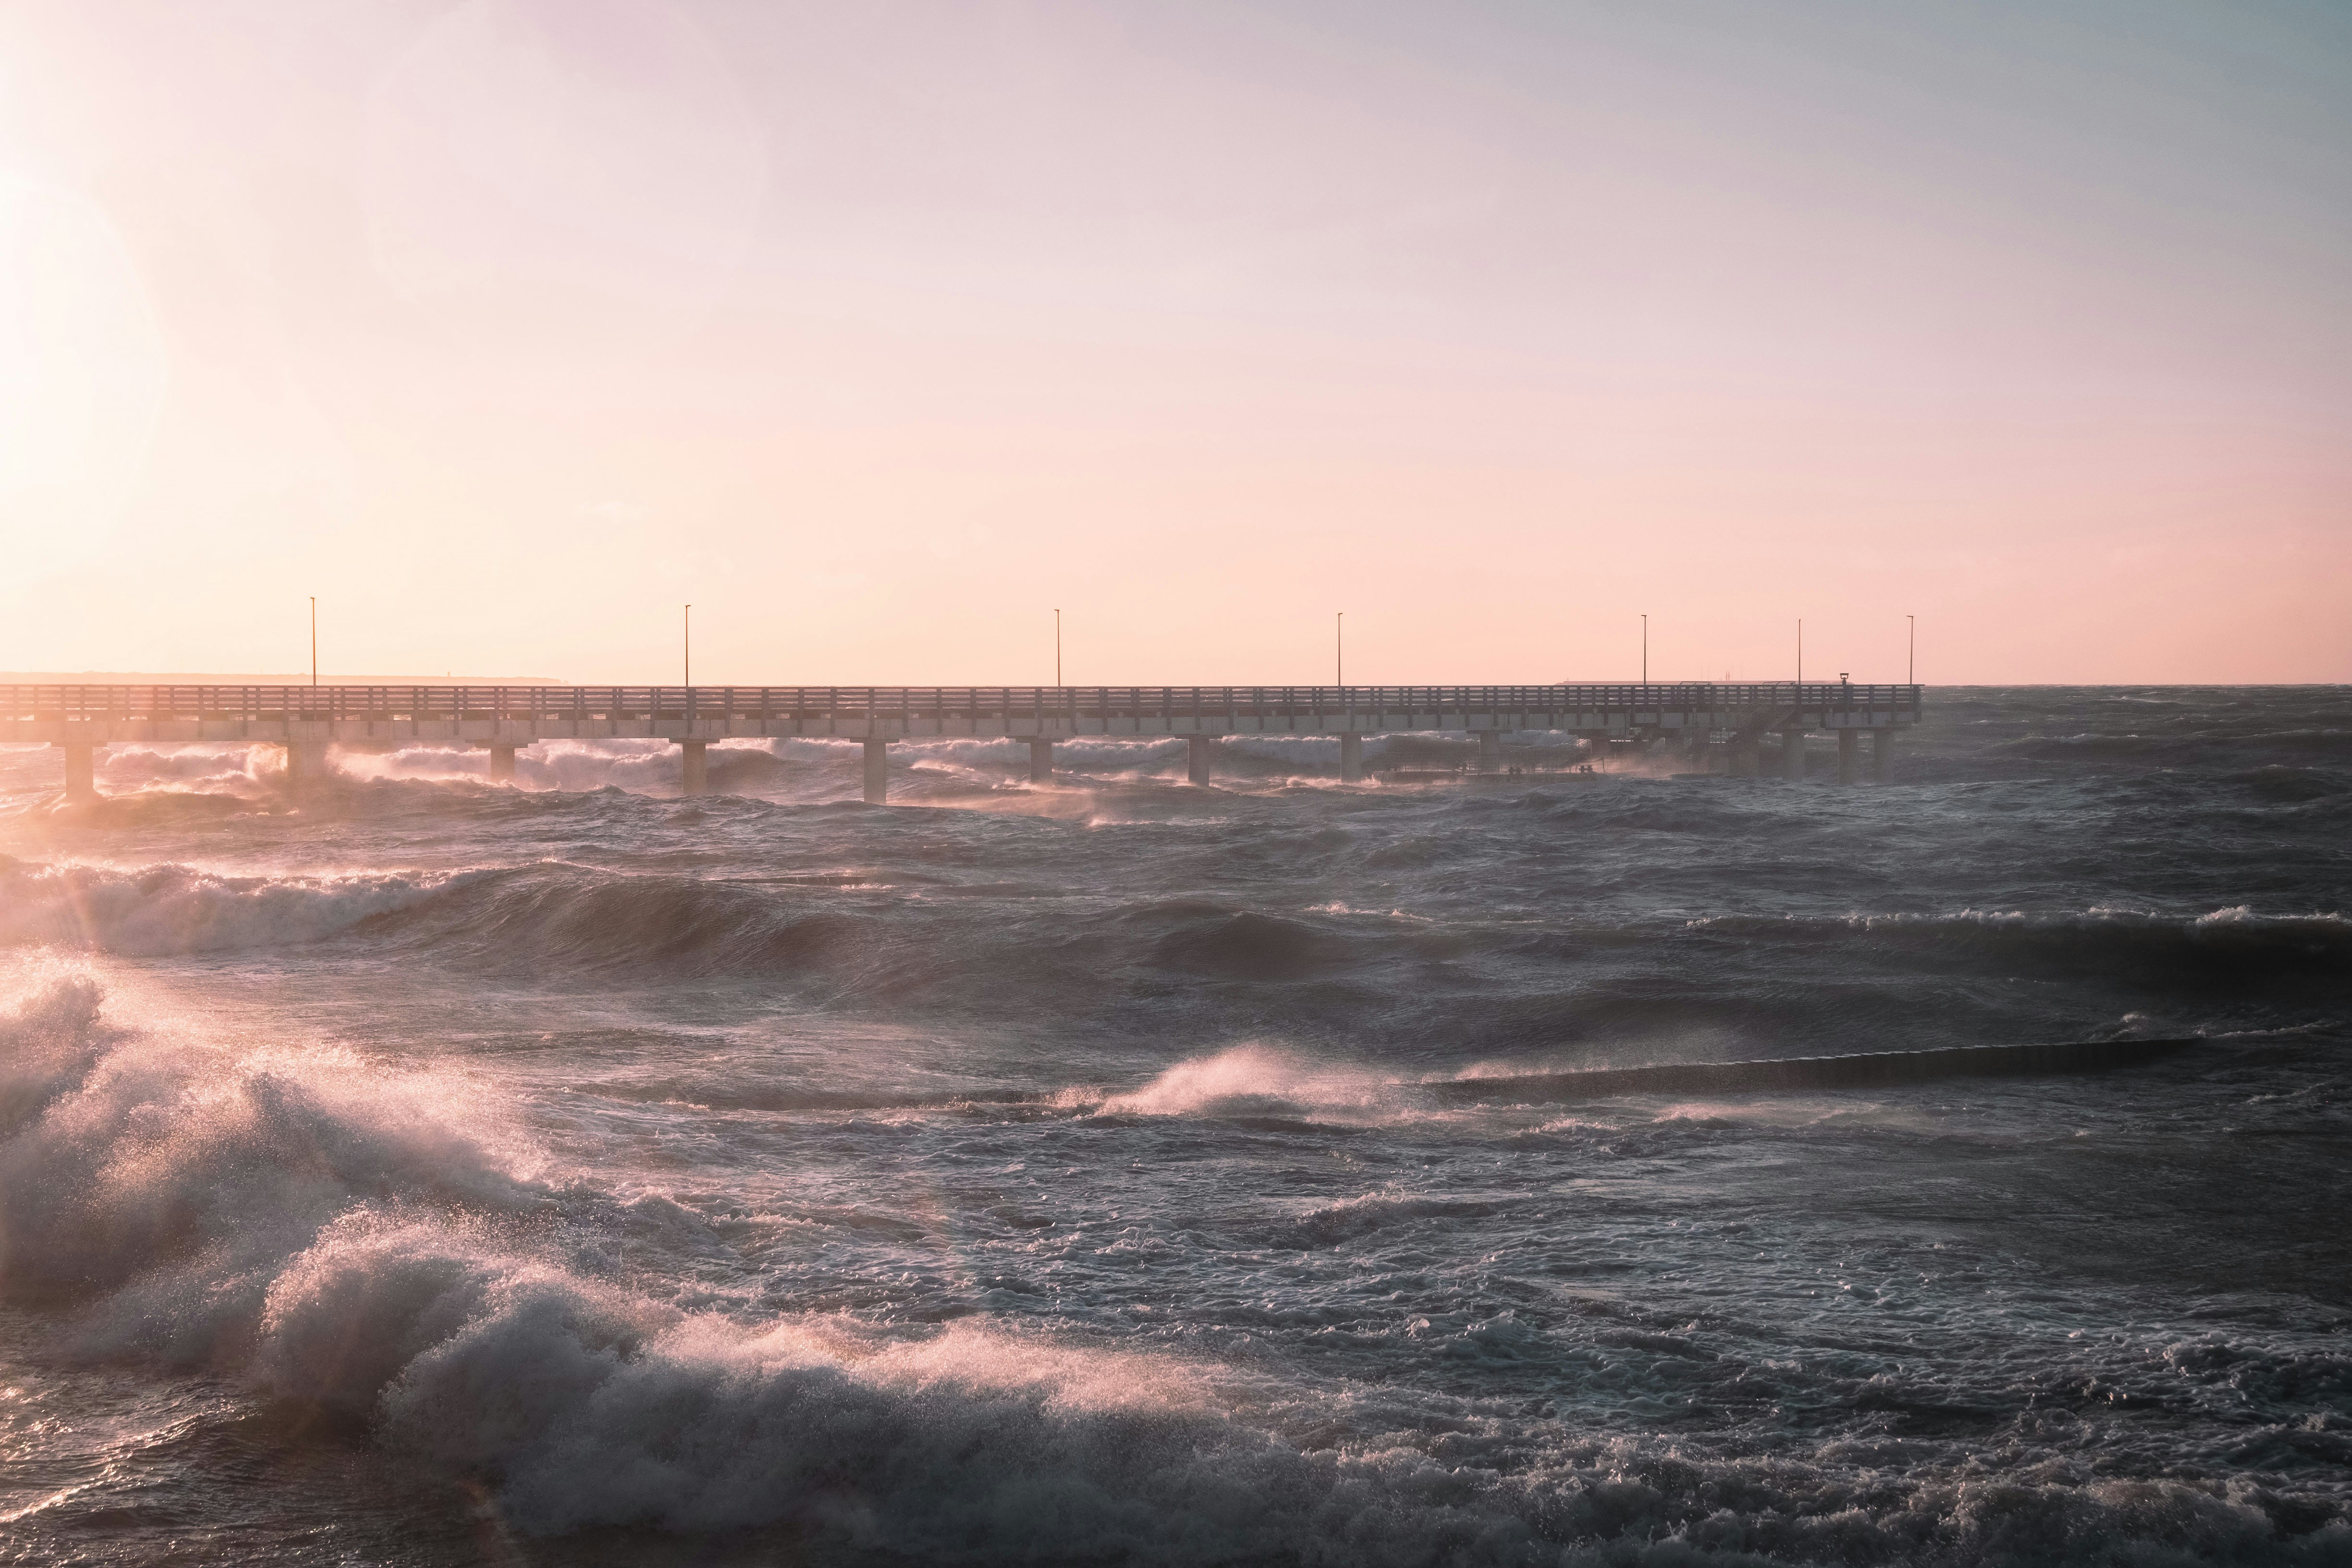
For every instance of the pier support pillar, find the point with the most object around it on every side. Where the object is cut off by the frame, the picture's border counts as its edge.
(1351, 758)
(694, 769)
(1793, 753)
(502, 764)
(878, 772)
(1197, 749)
(1041, 760)
(306, 764)
(1848, 756)
(1490, 751)
(1882, 756)
(81, 771)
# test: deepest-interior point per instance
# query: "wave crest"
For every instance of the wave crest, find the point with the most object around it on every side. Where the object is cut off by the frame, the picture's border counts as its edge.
(165, 909)
(2223, 948)
(382, 1246)
(1257, 1079)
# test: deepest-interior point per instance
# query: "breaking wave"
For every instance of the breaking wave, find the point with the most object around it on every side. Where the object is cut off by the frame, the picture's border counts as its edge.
(384, 1246)
(210, 768)
(388, 1246)
(1257, 1079)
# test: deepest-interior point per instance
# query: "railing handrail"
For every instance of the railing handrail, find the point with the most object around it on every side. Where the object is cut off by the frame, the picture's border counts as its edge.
(157, 701)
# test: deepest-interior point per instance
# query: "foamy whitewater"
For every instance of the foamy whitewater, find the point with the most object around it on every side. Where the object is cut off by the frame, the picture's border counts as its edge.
(439, 1173)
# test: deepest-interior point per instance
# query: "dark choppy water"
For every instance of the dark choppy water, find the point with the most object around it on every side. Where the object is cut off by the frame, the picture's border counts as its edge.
(441, 1174)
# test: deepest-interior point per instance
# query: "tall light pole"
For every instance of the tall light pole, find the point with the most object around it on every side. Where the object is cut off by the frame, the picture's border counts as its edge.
(1800, 654)
(1339, 647)
(1057, 647)
(1645, 650)
(1911, 663)
(690, 645)
(314, 639)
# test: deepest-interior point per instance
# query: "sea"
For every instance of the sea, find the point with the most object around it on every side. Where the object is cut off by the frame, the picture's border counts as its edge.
(429, 1172)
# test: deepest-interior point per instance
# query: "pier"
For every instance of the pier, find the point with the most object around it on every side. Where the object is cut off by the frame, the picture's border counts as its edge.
(1717, 726)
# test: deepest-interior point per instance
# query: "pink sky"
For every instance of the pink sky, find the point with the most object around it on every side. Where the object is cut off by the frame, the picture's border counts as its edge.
(878, 332)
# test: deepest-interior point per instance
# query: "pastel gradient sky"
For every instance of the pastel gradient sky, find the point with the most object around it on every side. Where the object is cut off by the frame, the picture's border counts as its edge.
(877, 330)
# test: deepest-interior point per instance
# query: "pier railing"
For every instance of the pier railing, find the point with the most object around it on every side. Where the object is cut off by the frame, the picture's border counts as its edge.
(97, 703)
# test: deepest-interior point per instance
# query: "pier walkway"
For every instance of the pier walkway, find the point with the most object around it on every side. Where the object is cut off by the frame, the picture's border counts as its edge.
(1720, 726)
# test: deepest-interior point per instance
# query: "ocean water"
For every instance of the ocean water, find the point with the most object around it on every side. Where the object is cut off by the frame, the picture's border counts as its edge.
(442, 1173)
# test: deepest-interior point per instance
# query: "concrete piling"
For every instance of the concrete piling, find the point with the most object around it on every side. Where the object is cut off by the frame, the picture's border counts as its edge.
(502, 764)
(1490, 751)
(81, 771)
(1848, 756)
(1196, 760)
(695, 770)
(1793, 753)
(1882, 756)
(1041, 760)
(306, 764)
(878, 772)
(1351, 758)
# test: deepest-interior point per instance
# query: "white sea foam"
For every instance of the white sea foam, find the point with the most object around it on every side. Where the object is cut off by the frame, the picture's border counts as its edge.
(347, 1236)
(390, 1246)
(1259, 1077)
(210, 768)
(649, 766)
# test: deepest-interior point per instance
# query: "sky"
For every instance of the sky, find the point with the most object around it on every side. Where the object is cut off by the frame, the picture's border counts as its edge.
(877, 333)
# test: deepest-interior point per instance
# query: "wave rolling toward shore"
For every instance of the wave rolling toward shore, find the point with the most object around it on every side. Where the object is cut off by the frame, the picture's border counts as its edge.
(760, 1176)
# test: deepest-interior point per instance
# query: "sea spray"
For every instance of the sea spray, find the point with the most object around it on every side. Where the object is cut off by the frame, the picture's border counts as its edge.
(345, 1239)
(741, 1177)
